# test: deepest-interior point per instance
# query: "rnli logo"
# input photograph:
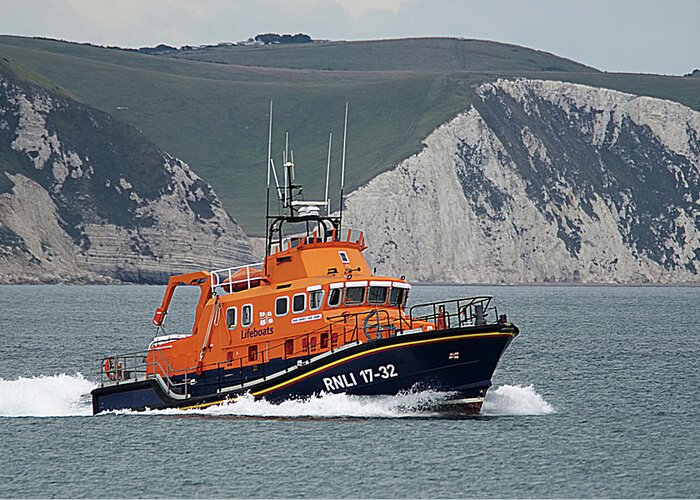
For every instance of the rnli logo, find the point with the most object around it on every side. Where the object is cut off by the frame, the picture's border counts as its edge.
(250, 333)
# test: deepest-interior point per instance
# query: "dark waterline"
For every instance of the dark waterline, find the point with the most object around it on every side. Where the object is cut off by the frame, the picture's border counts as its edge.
(618, 364)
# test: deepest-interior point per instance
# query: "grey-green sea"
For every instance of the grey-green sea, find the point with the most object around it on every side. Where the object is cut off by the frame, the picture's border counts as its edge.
(597, 397)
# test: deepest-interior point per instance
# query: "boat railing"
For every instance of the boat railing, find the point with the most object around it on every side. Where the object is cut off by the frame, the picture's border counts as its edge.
(291, 353)
(341, 331)
(469, 311)
(135, 366)
(236, 278)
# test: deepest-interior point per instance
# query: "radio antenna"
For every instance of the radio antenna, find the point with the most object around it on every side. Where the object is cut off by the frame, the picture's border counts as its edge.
(328, 174)
(267, 199)
(277, 182)
(342, 168)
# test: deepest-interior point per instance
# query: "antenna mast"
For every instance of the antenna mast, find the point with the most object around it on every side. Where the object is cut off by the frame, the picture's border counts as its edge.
(342, 169)
(285, 162)
(328, 174)
(267, 199)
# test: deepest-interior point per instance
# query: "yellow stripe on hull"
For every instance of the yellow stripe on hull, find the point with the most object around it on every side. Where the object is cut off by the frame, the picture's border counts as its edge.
(376, 349)
(348, 358)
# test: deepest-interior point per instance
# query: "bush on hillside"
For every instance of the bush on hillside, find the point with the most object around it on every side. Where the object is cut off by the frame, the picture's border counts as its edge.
(269, 38)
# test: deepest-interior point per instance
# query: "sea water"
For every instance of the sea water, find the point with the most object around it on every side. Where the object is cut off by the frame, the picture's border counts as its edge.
(597, 397)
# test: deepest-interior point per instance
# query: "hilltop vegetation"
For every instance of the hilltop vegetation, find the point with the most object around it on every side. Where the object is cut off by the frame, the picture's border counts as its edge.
(209, 107)
(414, 54)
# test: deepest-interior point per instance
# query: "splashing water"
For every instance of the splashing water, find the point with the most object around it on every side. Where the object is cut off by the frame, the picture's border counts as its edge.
(45, 396)
(68, 395)
(416, 404)
(515, 400)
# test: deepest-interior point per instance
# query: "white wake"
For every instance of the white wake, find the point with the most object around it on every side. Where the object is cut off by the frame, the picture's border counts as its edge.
(515, 400)
(416, 404)
(46, 396)
(69, 395)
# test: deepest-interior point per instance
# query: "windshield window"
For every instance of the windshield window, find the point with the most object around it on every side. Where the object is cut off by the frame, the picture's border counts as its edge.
(354, 295)
(377, 295)
(397, 297)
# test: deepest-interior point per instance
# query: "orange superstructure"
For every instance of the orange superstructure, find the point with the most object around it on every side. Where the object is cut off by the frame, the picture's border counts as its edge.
(304, 300)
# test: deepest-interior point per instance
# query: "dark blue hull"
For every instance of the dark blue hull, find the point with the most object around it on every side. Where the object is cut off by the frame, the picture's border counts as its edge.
(460, 361)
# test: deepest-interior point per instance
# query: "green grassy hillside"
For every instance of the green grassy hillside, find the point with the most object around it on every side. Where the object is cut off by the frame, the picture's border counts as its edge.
(413, 54)
(214, 114)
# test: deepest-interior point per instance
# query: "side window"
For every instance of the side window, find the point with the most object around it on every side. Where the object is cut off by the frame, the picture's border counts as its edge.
(247, 315)
(315, 300)
(344, 258)
(334, 297)
(299, 303)
(281, 306)
(377, 295)
(354, 295)
(324, 340)
(396, 298)
(231, 314)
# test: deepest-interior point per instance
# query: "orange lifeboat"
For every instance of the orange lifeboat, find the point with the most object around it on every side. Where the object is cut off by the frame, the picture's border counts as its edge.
(313, 317)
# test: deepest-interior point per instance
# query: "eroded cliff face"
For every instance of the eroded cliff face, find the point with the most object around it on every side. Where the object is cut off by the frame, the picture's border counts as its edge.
(543, 181)
(85, 198)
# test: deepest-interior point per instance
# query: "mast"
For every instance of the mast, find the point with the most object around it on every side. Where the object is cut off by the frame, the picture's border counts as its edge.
(267, 198)
(295, 209)
(342, 169)
(328, 174)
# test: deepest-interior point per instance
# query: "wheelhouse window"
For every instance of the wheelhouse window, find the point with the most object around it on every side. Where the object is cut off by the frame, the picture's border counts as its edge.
(281, 306)
(334, 297)
(397, 297)
(377, 295)
(299, 303)
(247, 315)
(231, 314)
(354, 295)
(315, 299)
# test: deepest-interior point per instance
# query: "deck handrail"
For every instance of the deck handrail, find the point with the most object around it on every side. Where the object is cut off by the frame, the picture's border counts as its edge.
(225, 277)
(374, 323)
(127, 370)
(466, 311)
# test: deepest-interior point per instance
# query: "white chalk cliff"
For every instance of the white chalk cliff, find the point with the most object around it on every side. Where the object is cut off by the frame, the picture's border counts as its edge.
(86, 199)
(543, 181)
